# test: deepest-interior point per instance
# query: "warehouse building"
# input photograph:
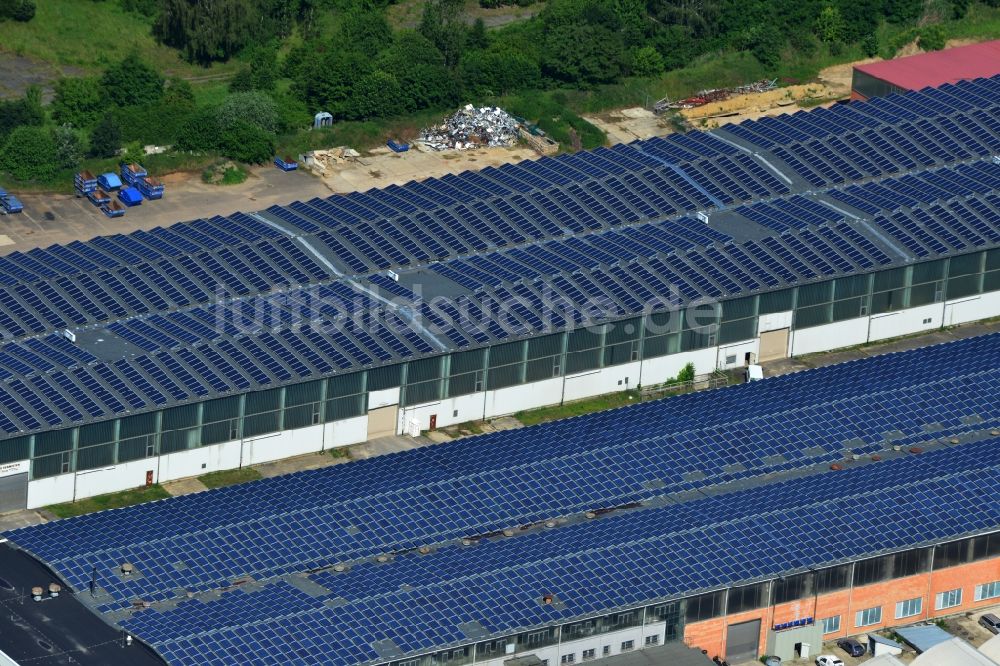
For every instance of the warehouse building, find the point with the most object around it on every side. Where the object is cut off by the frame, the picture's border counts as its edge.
(210, 345)
(760, 518)
(925, 70)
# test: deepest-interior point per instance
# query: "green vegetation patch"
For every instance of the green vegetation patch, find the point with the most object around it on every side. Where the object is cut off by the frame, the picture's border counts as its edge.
(577, 408)
(229, 477)
(109, 501)
(226, 173)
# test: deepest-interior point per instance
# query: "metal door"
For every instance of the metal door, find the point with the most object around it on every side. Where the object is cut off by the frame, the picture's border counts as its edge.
(741, 641)
(773, 344)
(13, 492)
(382, 422)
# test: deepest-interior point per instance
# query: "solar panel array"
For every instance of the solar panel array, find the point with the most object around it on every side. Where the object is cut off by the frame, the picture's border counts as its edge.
(233, 304)
(392, 505)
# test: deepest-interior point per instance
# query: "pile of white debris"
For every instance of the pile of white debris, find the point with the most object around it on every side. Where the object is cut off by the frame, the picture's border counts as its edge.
(471, 127)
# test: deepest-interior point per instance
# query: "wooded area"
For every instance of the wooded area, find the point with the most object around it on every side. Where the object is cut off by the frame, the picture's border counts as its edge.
(297, 57)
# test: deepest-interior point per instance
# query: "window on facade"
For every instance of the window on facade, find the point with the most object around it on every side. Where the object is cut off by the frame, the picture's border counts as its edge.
(964, 275)
(621, 341)
(628, 646)
(739, 320)
(793, 587)
(966, 550)
(345, 396)
(621, 620)
(872, 570)
(220, 420)
(662, 334)
(704, 607)
(700, 327)
(544, 358)
(466, 372)
(581, 629)
(423, 381)
(506, 365)
(583, 349)
(833, 578)
(888, 291)
(537, 639)
(653, 640)
(568, 658)
(747, 598)
(850, 296)
(389, 376)
(15, 449)
(988, 591)
(830, 624)
(180, 428)
(948, 599)
(909, 607)
(96, 445)
(589, 654)
(991, 276)
(606, 651)
(775, 301)
(303, 405)
(927, 285)
(53, 453)
(868, 616)
(911, 562)
(262, 413)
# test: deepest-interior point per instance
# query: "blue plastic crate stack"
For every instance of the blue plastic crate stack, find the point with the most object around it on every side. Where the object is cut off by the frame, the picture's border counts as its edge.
(84, 182)
(9, 203)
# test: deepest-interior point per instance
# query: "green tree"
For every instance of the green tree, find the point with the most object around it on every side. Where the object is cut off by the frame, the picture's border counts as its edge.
(263, 68)
(870, 45)
(200, 133)
(248, 143)
(325, 81)
(105, 138)
(77, 101)
(443, 23)
(178, 93)
(901, 11)
(365, 31)
(830, 25)
(932, 38)
(959, 8)
(477, 37)
(19, 10)
(253, 108)
(30, 154)
(861, 17)
(69, 148)
(242, 80)
(646, 61)
(582, 54)
(131, 82)
(207, 31)
(26, 111)
(499, 72)
(376, 95)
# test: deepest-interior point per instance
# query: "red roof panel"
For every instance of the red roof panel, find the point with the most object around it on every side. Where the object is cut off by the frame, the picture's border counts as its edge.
(938, 67)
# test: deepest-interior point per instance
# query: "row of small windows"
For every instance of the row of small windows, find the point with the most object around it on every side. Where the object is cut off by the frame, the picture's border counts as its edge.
(676, 614)
(500, 366)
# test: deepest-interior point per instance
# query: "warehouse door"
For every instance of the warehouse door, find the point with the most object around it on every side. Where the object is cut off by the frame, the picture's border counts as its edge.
(13, 492)
(742, 641)
(773, 344)
(382, 421)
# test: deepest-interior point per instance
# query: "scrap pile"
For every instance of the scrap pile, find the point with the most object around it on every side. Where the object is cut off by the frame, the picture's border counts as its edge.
(471, 127)
(321, 161)
(715, 95)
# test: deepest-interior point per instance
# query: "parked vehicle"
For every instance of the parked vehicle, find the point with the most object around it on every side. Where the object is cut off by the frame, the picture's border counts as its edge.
(829, 660)
(990, 622)
(851, 647)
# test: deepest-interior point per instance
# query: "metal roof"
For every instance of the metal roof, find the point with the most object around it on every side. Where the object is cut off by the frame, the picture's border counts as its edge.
(937, 67)
(924, 636)
(254, 301)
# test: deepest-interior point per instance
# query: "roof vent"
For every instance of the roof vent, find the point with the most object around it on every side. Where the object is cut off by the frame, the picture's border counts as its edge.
(897, 447)
(127, 569)
(339, 568)
(382, 559)
(424, 550)
(550, 524)
(547, 599)
(876, 458)
(54, 589)
(508, 532)
(36, 593)
(953, 440)
(467, 542)
(995, 432)
(916, 449)
(836, 468)
(591, 514)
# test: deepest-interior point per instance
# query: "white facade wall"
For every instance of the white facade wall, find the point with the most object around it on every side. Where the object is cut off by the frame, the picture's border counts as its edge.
(489, 404)
(613, 639)
(829, 336)
(905, 322)
(963, 310)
